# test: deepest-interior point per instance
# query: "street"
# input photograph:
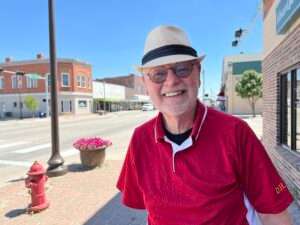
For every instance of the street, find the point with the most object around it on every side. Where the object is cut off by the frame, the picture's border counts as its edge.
(24, 141)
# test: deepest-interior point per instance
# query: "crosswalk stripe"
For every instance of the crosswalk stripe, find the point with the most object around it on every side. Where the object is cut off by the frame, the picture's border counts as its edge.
(32, 149)
(12, 144)
(16, 163)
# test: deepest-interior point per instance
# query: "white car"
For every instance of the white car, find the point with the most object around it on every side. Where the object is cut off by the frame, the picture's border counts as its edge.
(147, 107)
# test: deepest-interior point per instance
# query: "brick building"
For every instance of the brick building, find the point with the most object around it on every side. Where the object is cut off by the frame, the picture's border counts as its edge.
(74, 80)
(281, 88)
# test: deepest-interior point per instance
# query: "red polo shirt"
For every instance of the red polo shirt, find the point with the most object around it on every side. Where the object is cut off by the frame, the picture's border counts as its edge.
(225, 161)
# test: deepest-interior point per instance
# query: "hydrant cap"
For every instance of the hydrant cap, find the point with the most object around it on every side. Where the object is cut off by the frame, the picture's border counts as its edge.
(36, 169)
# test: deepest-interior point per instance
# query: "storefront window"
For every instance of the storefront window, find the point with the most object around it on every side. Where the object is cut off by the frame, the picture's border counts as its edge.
(82, 103)
(298, 111)
(289, 99)
(290, 109)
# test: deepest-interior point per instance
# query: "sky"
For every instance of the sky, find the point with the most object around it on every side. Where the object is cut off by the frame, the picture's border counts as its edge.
(110, 35)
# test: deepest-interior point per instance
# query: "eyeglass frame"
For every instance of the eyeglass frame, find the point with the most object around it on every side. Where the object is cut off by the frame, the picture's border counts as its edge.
(171, 67)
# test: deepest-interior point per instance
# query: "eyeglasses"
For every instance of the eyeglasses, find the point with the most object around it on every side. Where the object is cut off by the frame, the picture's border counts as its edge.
(181, 70)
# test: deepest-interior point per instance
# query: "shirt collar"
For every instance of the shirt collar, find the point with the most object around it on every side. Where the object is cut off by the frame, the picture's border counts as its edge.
(200, 116)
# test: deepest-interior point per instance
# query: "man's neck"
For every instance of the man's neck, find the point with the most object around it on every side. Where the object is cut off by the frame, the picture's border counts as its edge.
(181, 123)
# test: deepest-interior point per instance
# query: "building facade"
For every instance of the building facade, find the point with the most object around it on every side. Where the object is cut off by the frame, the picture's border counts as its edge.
(134, 85)
(281, 88)
(74, 85)
(233, 68)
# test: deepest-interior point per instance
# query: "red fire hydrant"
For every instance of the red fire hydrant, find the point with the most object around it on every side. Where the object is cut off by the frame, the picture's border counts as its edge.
(36, 182)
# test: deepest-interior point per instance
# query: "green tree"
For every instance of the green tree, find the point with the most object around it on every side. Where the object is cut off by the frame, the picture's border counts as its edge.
(31, 103)
(250, 87)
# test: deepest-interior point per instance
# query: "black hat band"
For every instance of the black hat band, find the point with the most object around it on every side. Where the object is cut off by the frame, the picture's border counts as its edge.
(168, 50)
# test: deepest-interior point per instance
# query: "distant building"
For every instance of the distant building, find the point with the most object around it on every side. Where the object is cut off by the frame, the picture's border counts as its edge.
(281, 88)
(233, 68)
(74, 79)
(132, 89)
(135, 89)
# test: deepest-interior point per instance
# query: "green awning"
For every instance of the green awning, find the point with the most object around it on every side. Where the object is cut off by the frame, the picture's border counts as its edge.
(34, 76)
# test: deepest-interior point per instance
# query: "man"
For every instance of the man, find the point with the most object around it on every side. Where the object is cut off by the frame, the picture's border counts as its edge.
(193, 165)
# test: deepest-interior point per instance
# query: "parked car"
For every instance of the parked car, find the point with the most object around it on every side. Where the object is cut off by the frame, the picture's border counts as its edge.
(147, 107)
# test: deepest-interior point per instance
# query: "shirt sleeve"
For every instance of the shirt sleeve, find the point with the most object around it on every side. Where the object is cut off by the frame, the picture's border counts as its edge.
(132, 195)
(260, 180)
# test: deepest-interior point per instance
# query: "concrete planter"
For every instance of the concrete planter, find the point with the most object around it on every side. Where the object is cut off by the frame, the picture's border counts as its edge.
(92, 158)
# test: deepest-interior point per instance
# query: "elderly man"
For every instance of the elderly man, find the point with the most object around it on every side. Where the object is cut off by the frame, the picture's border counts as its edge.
(193, 165)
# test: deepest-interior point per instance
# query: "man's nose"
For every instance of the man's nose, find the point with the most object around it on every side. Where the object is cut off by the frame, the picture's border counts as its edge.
(171, 77)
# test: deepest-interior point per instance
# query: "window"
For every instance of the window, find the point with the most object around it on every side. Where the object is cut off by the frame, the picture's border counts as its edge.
(78, 81)
(297, 103)
(31, 83)
(14, 81)
(290, 109)
(66, 106)
(1, 82)
(82, 103)
(48, 75)
(65, 80)
(81, 81)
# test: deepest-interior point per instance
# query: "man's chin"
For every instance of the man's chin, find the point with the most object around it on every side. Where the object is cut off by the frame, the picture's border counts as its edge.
(175, 110)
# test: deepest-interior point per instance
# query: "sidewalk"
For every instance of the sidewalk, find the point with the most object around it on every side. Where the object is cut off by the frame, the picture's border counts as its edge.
(77, 198)
(82, 198)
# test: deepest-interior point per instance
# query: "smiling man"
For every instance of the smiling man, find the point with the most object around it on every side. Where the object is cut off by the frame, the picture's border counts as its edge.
(191, 164)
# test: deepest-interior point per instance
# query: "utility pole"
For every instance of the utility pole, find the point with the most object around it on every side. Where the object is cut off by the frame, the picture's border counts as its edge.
(56, 167)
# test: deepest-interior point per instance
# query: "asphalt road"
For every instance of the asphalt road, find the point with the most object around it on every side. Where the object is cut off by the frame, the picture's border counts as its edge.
(24, 141)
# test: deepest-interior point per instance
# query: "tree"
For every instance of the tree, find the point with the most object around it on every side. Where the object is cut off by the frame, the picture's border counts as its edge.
(31, 103)
(250, 87)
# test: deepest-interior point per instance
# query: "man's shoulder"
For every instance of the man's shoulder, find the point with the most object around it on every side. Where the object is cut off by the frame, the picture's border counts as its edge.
(223, 120)
(146, 126)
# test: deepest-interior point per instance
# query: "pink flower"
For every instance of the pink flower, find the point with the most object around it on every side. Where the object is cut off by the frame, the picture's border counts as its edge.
(86, 144)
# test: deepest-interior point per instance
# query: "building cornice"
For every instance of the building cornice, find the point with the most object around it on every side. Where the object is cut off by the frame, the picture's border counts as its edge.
(42, 61)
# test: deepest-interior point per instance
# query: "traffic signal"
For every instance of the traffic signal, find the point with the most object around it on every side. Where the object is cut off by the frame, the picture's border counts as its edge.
(238, 33)
(235, 43)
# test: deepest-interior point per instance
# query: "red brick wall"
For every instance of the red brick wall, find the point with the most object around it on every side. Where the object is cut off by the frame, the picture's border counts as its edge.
(131, 81)
(83, 70)
(43, 68)
(29, 68)
(127, 81)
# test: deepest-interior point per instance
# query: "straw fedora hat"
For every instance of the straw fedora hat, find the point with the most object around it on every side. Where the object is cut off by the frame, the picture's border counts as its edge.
(165, 45)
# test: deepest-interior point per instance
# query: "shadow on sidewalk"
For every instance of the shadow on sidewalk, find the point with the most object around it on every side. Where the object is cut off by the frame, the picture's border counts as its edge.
(77, 167)
(115, 213)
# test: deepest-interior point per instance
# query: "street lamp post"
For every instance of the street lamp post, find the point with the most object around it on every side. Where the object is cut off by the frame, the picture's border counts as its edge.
(56, 167)
(19, 76)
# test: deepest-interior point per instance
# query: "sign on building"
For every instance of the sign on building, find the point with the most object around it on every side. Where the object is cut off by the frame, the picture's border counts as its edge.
(287, 12)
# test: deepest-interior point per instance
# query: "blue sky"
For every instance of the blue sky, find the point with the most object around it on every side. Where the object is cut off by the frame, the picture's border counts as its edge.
(110, 35)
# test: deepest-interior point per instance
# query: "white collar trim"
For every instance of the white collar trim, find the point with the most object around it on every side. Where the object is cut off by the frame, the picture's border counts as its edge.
(177, 148)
